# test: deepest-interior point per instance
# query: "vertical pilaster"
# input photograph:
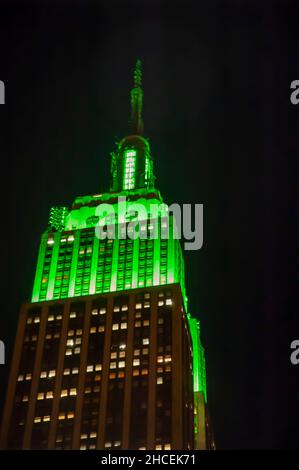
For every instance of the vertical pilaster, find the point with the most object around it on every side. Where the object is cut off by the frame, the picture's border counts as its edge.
(59, 375)
(74, 263)
(81, 378)
(105, 375)
(53, 266)
(128, 380)
(35, 378)
(152, 379)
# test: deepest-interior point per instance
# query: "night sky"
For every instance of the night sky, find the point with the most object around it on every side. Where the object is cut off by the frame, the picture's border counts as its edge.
(216, 81)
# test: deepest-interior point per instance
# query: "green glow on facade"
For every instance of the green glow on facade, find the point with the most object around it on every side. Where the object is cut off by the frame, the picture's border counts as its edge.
(199, 366)
(129, 169)
(73, 261)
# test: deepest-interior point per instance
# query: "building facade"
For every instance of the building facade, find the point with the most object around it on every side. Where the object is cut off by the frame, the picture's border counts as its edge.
(107, 355)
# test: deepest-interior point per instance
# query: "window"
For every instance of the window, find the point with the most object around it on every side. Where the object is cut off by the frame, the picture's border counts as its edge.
(129, 169)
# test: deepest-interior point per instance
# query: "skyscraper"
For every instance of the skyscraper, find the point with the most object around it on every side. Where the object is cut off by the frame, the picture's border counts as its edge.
(107, 355)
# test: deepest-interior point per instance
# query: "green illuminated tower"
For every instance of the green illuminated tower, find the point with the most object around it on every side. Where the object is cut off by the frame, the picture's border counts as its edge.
(78, 264)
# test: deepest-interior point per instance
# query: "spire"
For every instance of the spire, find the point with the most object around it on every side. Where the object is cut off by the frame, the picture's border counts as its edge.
(136, 123)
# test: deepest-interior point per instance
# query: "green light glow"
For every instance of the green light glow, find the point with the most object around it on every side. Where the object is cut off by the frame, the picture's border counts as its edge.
(72, 261)
(199, 366)
(129, 169)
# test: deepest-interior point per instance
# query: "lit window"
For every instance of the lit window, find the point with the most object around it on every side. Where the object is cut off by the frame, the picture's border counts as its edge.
(64, 393)
(123, 326)
(160, 303)
(135, 372)
(144, 372)
(98, 367)
(25, 398)
(50, 241)
(159, 447)
(101, 329)
(36, 320)
(112, 365)
(122, 354)
(107, 444)
(145, 351)
(70, 333)
(40, 396)
(73, 391)
(66, 372)
(78, 341)
(43, 374)
(61, 416)
(46, 418)
(129, 169)
(52, 373)
(122, 346)
(145, 322)
(167, 358)
(116, 309)
(68, 352)
(94, 311)
(124, 308)
(102, 311)
(136, 352)
(21, 378)
(137, 323)
(77, 350)
(92, 435)
(83, 436)
(121, 364)
(75, 370)
(115, 326)
(37, 419)
(49, 395)
(71, 238)
(89, 368)
(28, 377)
(70, 342)
(79, 332)
(73, 315)
(93, 329)
(113, 355)
(147, 304)
(138, 306)
(141, 448)
(159, 380)
(29, 321)
(168, 302)
(83, 447)
(116, 443)
(160, 359)
(50, 317)
(70, 415)
(136, 362)
(167, 447)
(145, 341)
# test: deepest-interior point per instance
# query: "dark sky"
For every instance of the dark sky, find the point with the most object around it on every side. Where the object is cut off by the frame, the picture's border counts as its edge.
(216, 78)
